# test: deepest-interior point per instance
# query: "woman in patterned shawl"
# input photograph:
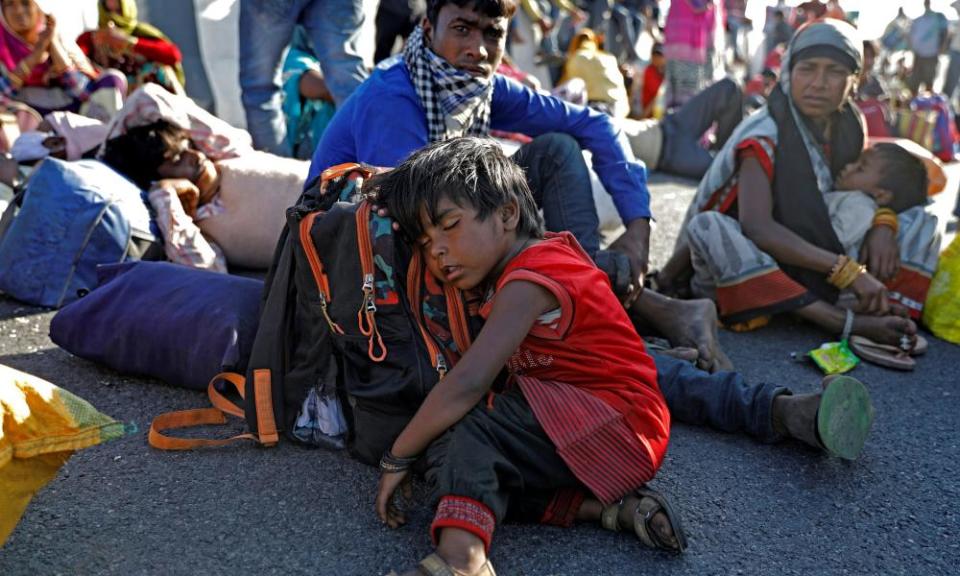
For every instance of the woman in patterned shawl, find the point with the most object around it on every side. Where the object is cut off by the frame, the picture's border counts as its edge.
(759, 233)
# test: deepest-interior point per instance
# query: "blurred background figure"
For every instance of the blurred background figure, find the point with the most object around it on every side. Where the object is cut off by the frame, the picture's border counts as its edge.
(652, 88)
(693, 46)
(737, 24)
(780, 32)
(139, 50)
(266, 28)
(600, 72)
(307, 102)
(47, 71)
(810, 10)
(396, 19)
(928, 39)
(953, 70)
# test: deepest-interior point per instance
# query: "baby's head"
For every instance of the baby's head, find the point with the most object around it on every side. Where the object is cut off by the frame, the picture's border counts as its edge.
(466, 194)
(888, 172)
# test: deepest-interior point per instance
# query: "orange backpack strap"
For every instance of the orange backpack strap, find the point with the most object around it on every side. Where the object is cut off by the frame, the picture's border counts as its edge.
(366, 316)
(201, 416)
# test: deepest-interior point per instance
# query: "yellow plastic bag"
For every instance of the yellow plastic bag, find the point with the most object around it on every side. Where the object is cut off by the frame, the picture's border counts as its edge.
(41, 425)
(941, 312)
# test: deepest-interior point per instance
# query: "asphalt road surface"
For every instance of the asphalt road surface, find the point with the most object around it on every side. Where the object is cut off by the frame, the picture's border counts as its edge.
(749, 508)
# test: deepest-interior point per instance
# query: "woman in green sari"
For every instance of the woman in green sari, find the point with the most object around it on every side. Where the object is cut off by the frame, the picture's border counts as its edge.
(139, 50)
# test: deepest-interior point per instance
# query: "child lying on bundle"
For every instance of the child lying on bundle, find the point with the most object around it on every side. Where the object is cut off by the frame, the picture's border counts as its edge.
(580, 426)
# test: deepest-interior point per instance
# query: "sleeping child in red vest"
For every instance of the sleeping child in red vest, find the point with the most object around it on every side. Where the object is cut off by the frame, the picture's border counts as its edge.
(580, 426)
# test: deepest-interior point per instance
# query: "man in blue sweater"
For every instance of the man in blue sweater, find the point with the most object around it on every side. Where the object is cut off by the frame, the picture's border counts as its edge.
(443, 85)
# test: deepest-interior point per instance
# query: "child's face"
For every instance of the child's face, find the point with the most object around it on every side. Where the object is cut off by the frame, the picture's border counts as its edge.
(866, 175)
(463, 250)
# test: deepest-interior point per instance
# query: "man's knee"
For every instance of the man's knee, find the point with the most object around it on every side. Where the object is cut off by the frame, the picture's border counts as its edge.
(556, 145)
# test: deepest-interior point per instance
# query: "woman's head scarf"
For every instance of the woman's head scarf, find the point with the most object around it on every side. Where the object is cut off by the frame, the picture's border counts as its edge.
(823, 38)
(14, 48)
(798, 186)
(126, 20)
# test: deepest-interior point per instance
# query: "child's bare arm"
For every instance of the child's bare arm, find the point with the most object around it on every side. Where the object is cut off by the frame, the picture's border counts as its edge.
(515, 309)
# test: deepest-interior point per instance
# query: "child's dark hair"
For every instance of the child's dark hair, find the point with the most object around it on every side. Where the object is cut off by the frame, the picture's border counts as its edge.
(471, 172)
(490, 8)
(139, 152)
(904, 175)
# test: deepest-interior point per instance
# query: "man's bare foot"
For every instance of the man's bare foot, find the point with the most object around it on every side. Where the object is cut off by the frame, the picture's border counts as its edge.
(686, 323)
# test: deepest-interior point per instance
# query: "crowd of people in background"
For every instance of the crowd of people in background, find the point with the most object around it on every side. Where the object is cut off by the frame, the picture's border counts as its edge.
(585, 95)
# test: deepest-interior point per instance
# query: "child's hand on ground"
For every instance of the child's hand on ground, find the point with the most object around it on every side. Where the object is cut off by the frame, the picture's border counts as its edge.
(386, 489)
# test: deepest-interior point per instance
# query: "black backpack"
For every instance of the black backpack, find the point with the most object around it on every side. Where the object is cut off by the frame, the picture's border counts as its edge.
(349, 313)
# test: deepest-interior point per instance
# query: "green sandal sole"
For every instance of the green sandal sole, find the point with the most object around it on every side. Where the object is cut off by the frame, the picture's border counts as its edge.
(845, 417)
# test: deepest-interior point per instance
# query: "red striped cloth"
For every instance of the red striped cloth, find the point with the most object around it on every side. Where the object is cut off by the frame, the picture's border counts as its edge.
(593, 439)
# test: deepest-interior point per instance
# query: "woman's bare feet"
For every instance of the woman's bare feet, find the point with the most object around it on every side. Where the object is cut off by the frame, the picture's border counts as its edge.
(885, 329)
(888, 329)
(686, 323)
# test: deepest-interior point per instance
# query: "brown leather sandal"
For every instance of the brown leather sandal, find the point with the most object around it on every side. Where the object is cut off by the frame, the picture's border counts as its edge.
(648, 502)
(434, 565)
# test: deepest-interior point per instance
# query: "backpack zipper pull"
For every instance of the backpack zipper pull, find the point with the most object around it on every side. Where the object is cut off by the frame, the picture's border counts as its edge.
(441, 365)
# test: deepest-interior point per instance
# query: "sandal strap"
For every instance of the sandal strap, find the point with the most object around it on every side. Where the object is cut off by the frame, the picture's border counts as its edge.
(644, 511)
(609, 518)
(434, 565)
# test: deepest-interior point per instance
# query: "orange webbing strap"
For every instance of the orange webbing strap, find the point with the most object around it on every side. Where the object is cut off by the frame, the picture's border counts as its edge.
(219, 401)
(266, 424)
(342, 169)
(187, 419)
(457, 317)
(206, 416)
(316, 267)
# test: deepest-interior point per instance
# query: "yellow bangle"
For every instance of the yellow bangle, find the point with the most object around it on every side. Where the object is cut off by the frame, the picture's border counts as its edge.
(837, 266)
(845, 272)
(886, 217)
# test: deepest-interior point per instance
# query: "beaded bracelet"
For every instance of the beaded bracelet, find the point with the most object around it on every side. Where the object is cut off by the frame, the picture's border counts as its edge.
(391, 463)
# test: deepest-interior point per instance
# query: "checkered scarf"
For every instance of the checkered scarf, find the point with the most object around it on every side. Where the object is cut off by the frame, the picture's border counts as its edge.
(457, 104)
